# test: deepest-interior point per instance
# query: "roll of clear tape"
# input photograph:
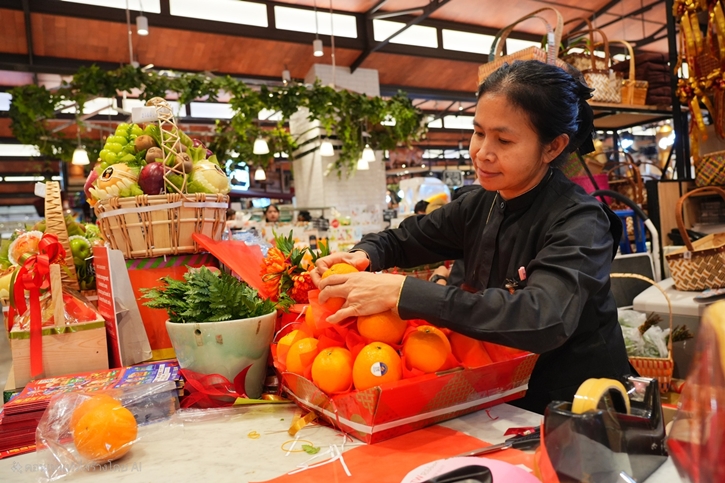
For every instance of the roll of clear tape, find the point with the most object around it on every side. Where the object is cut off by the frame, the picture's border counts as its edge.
(591, 392)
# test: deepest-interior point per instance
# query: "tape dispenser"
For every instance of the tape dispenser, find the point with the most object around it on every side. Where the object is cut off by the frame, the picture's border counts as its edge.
(609, 428)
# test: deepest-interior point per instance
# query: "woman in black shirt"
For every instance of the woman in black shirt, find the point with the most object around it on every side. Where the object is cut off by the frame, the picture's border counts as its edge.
(537, 249)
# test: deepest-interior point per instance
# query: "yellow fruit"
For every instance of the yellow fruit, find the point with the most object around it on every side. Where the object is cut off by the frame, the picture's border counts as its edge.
(104, 432)
(335, 303)
(376, 364)
(332, 370)
(426, 349)
(301, 354)
(384, 327)
(286, 342)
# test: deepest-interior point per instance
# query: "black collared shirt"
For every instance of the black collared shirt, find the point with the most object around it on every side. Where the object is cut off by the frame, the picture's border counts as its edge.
(564, 310)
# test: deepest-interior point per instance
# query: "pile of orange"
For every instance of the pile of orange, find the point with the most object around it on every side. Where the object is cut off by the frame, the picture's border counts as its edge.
(392, 348)
(103, 430)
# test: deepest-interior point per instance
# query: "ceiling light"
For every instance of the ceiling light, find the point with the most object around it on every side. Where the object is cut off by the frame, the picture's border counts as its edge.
(422, 165)
(260, 175)
(286, 76)
(317, 48)
(362, 165)
(80, 156)
(403, 165)
(326, 148)
(260, 147)
(368, 154)
(142, 25)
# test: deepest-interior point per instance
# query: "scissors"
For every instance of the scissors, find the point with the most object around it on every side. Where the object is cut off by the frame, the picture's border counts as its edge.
(517, 442)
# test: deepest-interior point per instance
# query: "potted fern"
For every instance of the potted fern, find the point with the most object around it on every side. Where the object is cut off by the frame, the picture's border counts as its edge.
(218, 325)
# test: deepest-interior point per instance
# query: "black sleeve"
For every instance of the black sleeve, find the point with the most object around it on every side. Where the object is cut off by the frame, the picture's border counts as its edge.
(573, 263)
(420, 239)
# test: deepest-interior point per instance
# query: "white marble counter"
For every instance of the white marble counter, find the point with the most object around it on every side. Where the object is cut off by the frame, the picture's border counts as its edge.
(219, 449)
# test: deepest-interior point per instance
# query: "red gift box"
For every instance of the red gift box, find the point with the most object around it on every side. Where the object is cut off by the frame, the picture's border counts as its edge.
(146, 273)
(386, 411)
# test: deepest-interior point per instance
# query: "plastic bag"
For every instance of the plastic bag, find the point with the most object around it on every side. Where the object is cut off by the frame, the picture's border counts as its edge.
(104, 427)
(697, 439)
(76, 310)
(653, 343)
(631, 318)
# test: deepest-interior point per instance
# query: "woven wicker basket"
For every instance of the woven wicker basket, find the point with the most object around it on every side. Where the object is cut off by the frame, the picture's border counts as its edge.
(153, 226)
(634, 92)
(549, 56)
(654, 367)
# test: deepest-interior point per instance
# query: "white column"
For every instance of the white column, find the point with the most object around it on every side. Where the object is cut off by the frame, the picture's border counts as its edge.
(361, 190)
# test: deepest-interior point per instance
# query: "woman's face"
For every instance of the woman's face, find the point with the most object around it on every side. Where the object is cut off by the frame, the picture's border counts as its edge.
(272, 214)
(505, 148)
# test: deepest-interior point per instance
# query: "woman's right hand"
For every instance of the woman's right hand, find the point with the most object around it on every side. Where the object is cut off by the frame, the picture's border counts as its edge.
(358, 259)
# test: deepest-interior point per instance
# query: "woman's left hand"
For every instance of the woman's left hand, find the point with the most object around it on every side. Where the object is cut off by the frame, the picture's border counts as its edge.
(365, 293)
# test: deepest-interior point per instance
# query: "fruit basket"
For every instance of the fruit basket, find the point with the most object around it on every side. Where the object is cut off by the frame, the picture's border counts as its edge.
(378, 377)
(155, 187)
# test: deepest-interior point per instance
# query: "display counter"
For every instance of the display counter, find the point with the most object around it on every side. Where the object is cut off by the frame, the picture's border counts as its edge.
(248, 447)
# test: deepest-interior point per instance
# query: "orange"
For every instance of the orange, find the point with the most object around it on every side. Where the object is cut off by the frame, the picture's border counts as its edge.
(426, 348)
(335, 303)
(376, 364)
(104, 432)
(384, 327)
(286, 342)
(332, 370)
(301, 354)
(469, 352)
(88, 404)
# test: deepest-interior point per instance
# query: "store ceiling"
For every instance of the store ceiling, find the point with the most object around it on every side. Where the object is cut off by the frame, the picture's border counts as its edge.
(64, 35)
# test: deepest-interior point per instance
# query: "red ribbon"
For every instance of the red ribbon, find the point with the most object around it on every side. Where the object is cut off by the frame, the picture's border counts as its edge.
(212, 390)
(34, 276)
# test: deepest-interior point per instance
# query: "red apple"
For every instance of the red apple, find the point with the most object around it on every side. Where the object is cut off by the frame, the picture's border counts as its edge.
(151, 178)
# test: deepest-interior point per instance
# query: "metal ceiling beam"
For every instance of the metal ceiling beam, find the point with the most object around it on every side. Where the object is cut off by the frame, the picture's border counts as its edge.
(370, 48)
(596, 14)
(654, 37)
(377, 6)
(397, 13)
(639, 11)
(29, 35)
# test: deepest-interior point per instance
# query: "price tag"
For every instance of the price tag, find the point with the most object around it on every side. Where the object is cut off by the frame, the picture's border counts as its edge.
(143, 114)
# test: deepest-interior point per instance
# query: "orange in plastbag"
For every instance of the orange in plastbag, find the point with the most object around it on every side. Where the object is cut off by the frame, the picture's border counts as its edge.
(87, 405)
(104, 431)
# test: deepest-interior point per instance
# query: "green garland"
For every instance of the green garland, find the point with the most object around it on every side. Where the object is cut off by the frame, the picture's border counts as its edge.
(354, 118)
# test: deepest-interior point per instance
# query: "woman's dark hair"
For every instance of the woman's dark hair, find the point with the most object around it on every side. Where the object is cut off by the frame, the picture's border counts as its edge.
(420, 206)
(555, 101)
(271, 205)
(304, 215)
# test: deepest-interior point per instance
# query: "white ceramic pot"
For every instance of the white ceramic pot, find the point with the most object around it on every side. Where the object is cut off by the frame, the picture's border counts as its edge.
(226, 348)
